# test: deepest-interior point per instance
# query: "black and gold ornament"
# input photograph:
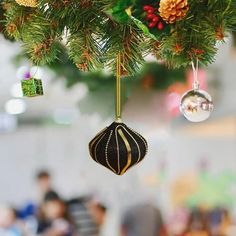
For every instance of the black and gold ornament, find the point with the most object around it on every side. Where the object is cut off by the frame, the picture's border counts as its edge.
(118, 147)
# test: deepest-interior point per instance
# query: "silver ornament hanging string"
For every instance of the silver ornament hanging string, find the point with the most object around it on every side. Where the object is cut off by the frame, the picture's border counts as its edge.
(195, 74)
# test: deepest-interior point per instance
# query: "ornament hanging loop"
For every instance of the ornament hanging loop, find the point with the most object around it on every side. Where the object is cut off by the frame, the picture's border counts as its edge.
(195, 67)
(118, 88)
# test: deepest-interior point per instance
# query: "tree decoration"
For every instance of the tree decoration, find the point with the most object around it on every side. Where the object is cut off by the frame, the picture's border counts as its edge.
(31, 87)
(196, 105)
(95, 31)
(117, 147)
(173, 10)
(27, 3)
(152, 75)
(153, 18)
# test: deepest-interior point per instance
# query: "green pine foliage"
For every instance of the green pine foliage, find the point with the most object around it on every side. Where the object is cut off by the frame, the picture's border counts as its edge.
(95, 31)
(207, 23)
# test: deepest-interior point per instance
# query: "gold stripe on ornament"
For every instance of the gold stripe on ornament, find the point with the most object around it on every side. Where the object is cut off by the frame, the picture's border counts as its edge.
(118, 149)
(139, 152)
(94, 141)
(129, 156)
(106, 153)
(95, 150)
(142, 138)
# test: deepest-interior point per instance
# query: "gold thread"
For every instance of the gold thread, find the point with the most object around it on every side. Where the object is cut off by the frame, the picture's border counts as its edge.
(129, 157)
(95, 140)
(142, 138)
(95, 150)
(139, 152)
(118, 150)
(118, 88)
(106, 153)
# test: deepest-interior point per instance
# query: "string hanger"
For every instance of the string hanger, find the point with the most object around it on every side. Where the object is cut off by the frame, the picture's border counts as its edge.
(195, 67)
(118, 88)
(36, 68)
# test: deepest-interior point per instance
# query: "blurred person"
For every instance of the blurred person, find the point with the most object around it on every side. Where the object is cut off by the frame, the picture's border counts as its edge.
(177, 221)
(86, 217)
(29, 216)
(215, 220)
(8, 223)
(143, 220)
(98, 213)
(198, 224)
(30, 210)
(225, 223)
(44, 183)
(54, 219)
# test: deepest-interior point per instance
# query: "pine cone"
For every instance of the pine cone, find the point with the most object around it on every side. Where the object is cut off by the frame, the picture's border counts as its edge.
(173, 10)
(27, 3)
(11, 28)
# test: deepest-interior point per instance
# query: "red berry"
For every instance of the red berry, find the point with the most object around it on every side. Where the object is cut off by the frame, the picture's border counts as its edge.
(150, 11)
(160, 26)
(150, 16)
(156, 19)
(147, 7)
(152, 24)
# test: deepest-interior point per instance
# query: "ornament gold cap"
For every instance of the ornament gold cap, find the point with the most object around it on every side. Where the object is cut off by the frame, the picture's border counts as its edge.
(118, 120)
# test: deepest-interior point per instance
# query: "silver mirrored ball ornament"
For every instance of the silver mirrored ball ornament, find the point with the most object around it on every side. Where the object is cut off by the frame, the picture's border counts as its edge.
(196, 105)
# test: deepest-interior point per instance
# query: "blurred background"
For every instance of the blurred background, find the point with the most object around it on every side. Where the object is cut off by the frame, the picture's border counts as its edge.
(50, 186)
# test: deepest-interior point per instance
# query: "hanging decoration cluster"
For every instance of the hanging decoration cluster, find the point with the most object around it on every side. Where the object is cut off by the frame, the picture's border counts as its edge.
(117, 147)
(179, 32)
(176, 31)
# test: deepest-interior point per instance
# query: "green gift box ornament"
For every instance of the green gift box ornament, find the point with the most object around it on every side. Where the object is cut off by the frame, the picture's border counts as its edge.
(32, 87)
